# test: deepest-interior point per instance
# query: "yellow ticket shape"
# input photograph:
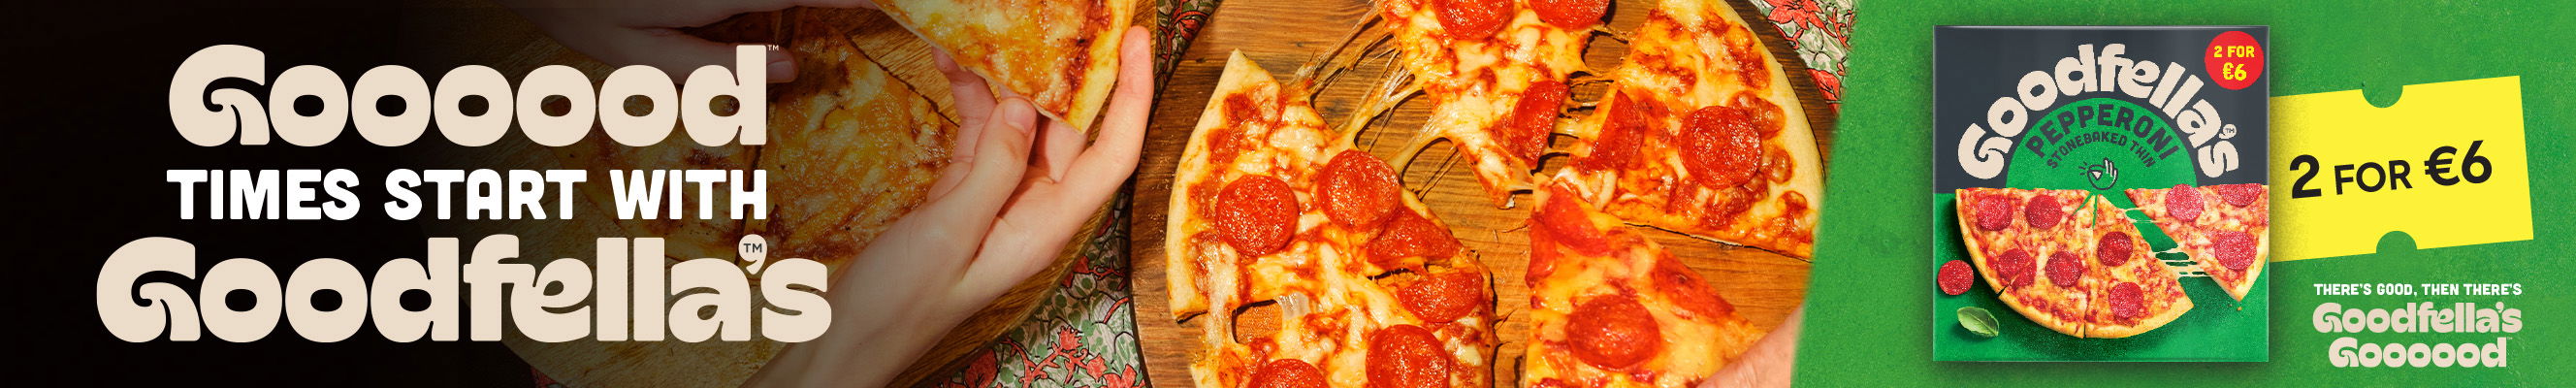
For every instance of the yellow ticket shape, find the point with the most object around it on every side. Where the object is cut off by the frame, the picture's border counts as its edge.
(2445, 165)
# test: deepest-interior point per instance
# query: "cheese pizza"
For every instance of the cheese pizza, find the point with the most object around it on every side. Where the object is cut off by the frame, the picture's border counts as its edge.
(1703, 135)
(1609, 308)
(1495, 72)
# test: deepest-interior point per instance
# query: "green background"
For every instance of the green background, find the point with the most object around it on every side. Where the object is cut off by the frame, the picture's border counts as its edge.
(1865, 326)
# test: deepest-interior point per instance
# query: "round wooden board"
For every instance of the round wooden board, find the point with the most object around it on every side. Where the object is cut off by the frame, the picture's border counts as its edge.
(1282, 35)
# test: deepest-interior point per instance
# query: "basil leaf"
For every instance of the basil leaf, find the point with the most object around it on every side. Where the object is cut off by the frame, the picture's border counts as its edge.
(1977, 320)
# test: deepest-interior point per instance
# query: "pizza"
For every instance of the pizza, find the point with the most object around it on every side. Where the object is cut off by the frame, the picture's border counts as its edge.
(852, 149)
(1269, 207)
(1702, 134)
(2224, 228)
(1062, 55)
(1495, 72)
(1609, 308)
(2069, 261)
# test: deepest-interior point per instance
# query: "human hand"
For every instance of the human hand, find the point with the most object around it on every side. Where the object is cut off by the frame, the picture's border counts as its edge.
(646, 32)
(1768, 363)
(1000, 212)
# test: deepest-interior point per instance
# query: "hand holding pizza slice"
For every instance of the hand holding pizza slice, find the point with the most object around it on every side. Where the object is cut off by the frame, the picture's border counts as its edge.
(1061, 55)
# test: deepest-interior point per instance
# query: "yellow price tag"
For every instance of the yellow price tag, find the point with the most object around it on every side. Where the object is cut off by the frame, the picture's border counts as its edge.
(2445, 165)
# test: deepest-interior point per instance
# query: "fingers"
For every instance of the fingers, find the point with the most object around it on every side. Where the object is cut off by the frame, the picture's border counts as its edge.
(1112, 156)
(1769, 362)
(1057, 149)
(974, 99)
(986, 182)
(1017, 251)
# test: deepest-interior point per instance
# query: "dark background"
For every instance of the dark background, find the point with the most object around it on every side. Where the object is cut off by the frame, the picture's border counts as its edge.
(90, 137)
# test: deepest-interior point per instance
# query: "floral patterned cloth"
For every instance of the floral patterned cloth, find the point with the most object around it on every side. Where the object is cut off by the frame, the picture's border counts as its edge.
(1085, 334)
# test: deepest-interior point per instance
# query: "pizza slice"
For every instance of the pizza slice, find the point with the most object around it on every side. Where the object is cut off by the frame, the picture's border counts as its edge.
(1703, 135)
(1609, 308)
(1495, 72)
(1269, 207)
(2225, 228)
(852, 149)
(2137, 293)
(1062, 55)
(2068, 260)
(2024, 245)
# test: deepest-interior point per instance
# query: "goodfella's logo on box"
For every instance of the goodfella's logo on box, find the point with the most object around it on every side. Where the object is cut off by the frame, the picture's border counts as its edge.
(2104, 118)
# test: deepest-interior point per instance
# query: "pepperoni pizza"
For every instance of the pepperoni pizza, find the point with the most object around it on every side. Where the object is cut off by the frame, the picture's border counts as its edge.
(1609, 308)
(1270, 207)
(2225, 228)
(1702, 135)
(2068, 260)
(1495, 71)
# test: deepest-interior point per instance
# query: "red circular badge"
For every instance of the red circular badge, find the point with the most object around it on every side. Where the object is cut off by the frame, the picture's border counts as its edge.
(2235, 60)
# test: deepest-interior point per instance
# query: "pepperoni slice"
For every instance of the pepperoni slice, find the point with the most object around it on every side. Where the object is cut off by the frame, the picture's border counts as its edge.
(1444, 297)
(1623, 133)
(1406, 356)
(2235, 249)
(2015, 267)
(1569, 223)
(1288, 373)
(1474, 19)
(1721, 146)
(1683, 287)
(1525, 135)
(2239, 195)
(1993, 212)
(2065, 269)
(2182, 203)
(1571, 14)
(1256, 214)
(1359, 190)
(2043, 212)
(1408, 236)
(1543, 256)
(2127, 302)
(1613, 331)
(1956, 276)
(2115, 249)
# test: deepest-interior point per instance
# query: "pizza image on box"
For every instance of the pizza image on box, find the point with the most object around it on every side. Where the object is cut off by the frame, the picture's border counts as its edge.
(2100, 194)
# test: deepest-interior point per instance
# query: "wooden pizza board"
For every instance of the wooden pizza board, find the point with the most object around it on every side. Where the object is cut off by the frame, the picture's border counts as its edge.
(1282, 35)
